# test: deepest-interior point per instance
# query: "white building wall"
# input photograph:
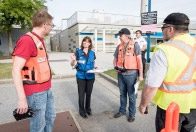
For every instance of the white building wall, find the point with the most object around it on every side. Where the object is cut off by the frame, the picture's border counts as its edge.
(111, 40)
(101, 27)
(63, 40)
(73, 40)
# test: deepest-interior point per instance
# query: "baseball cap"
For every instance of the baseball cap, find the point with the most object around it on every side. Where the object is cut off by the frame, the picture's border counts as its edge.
(177, 19)
(124, 31)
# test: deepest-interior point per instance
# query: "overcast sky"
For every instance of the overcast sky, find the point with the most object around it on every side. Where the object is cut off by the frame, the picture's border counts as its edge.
(65, 8)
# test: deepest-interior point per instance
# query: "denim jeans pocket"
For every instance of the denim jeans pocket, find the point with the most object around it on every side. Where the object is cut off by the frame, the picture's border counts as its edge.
(40, 100)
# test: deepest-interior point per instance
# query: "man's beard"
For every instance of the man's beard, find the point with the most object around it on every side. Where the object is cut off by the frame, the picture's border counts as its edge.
(166, 38)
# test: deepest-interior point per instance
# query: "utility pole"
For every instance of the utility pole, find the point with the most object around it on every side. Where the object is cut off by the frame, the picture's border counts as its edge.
(148, 35)
(143, 6)
(142, 10)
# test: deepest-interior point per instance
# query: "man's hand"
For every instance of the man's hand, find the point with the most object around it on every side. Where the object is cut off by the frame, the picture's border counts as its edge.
(141, 78)
(22, 106)
(142, 109)
(147, 94)
(19, 63)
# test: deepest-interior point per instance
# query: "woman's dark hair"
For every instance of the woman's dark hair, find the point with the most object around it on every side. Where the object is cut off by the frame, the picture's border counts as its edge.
(89, 40)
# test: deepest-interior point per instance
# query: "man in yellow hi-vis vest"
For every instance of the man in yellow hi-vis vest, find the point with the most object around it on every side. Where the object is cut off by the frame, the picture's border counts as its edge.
(172, 74)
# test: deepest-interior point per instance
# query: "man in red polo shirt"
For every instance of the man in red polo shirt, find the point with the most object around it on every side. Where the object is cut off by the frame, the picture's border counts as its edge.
(32, 76)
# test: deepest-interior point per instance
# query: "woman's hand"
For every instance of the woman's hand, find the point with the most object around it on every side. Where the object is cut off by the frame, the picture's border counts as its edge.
(73, 57)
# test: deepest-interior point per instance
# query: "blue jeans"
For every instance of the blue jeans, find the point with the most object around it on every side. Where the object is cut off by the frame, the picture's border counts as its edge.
(126, 85)
(44, 113)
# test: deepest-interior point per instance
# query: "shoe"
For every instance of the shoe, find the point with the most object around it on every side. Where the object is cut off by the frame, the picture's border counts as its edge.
(131, 119)
(89, 113)
(83, 115)
(119, 114)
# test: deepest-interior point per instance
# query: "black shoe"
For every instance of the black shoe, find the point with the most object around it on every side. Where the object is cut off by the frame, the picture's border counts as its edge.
(89, 113)
(83, 115)
(119, 114)
(131, 119)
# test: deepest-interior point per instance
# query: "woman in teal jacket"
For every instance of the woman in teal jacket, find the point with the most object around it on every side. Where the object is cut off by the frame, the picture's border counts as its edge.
(84, 60)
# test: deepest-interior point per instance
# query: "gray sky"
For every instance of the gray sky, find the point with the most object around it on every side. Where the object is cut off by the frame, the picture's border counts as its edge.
(65, 8)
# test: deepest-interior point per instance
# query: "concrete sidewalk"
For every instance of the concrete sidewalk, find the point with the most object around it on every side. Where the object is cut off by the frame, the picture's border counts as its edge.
(60, 62)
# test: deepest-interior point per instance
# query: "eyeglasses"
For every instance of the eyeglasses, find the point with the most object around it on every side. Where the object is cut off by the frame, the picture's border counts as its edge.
(163, 27)
(52, 25)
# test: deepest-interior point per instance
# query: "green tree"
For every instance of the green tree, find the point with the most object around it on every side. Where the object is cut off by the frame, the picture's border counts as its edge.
(17, 12)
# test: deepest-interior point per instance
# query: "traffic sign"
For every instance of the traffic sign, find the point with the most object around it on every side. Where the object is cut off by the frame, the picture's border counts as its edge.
(148, 18)
(148, 22)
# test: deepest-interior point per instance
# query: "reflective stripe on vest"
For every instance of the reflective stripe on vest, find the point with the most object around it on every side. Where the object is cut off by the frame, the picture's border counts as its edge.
(126, 57)
(186, 101)
(179, 84)
(178, 87)
(36, 69)
(190, 52)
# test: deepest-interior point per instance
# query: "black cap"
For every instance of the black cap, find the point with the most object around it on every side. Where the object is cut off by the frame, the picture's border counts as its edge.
(124, 31)
(177, 19)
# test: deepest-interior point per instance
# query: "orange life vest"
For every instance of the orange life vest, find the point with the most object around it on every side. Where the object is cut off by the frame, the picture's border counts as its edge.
(126, 56)
(36, 69)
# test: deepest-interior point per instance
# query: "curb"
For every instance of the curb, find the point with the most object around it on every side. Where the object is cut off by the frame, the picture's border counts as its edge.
(8, 81)
(109, 78)
(62, 76)
(105, 76)
(77, 124)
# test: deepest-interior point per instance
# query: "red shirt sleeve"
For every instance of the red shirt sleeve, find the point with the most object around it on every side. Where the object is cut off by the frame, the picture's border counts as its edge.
(25, 47)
